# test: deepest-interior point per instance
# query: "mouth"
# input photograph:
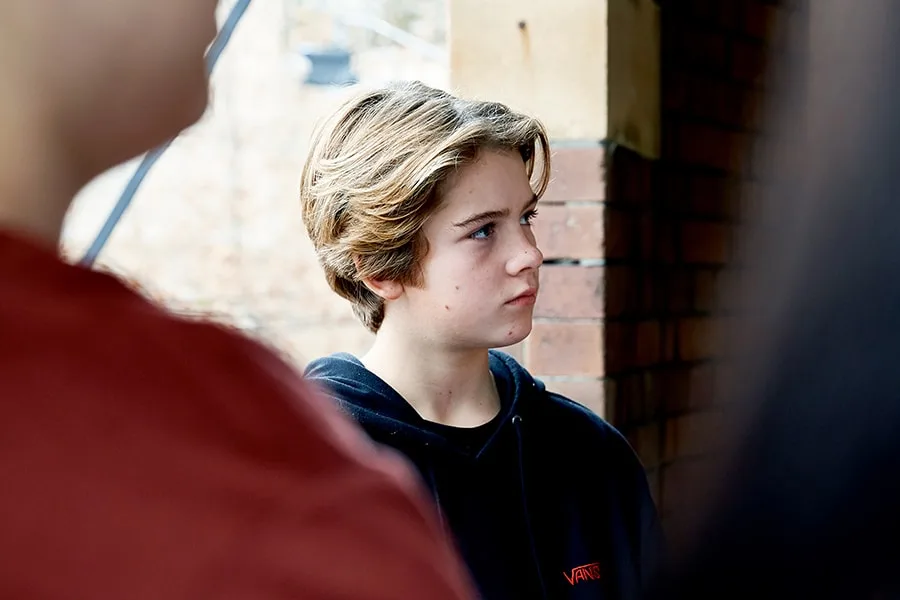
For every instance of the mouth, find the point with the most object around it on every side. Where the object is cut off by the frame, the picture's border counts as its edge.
(526, 298)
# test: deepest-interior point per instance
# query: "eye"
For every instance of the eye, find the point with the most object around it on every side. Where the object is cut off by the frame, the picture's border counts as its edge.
(484, 232)
(528, 218)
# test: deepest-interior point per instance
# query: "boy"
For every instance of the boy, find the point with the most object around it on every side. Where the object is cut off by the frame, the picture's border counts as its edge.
(144, 456)
(420, 206)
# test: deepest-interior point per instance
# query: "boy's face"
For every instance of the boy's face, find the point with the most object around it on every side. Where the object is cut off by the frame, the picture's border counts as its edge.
(115, 77)
(481, 271)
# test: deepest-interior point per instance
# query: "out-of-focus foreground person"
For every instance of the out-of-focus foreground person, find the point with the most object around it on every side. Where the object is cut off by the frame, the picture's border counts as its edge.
(143, 456)
(809, 501)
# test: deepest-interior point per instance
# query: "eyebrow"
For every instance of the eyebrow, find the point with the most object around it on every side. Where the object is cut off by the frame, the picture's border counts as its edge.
(492, 214)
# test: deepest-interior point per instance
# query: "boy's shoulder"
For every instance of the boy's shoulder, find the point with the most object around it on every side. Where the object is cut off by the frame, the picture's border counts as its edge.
(576, 417)
(582, 428)
(562, 417)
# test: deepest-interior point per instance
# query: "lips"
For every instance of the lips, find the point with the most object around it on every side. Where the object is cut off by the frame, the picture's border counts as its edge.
(526, 297)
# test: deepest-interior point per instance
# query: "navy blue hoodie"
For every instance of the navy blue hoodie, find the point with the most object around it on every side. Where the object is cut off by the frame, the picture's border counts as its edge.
(545, 501)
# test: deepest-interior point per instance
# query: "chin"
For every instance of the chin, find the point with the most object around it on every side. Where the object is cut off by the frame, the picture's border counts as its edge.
(511, 335)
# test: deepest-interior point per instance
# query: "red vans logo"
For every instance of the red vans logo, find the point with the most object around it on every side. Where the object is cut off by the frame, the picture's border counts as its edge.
(589, 572)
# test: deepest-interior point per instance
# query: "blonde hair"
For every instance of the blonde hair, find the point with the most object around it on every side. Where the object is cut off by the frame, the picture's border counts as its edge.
(374, 173)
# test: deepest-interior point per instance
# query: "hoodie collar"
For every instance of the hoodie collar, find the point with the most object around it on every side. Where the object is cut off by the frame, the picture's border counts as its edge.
(379, 409)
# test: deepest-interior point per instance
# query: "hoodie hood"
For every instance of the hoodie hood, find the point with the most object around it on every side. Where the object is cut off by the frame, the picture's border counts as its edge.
(388, 417)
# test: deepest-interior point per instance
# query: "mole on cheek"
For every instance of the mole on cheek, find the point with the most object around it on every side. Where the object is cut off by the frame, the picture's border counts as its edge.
(446, 307)
(457, 288)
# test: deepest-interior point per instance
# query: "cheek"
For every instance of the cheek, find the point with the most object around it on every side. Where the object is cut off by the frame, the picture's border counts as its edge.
(453, 296)
(467, 298)
(459, 281)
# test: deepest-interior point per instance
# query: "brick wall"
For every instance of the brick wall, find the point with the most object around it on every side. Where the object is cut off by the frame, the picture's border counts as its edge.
(670, 238)
(565, 348)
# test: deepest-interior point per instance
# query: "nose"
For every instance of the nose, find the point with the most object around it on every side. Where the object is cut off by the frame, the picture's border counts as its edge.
(525, 254)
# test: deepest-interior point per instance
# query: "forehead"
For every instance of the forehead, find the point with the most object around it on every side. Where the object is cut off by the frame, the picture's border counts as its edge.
(497, 179)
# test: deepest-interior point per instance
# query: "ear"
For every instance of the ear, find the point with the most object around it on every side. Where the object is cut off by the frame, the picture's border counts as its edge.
(386, 289)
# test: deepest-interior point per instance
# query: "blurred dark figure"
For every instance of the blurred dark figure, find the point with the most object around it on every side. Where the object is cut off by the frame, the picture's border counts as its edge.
(809, 501)
(142, 456)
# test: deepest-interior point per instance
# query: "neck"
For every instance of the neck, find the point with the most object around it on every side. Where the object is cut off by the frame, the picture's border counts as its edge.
(446, 386)
(36, 183)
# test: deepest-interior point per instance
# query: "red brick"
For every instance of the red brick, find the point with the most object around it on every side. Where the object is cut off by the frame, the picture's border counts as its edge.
(621, 344)
(692, 435)
(647, 241)
(705, 97)
(707, 146)
(748, 62)
(697, 338)
(574, 292)
(669, 142)
(674, 389)
(630, 344)
(610, 399)
(666, 249)
(733, 103)
(705, 242)
(711, 13)
(620, 233)
(570, 231)
(715, 13)
(573, 349)
(630, 178)
(647, 291)
(702, 380)
(711, 195)
(649, 343)
(728, 13)
(699, 144)
(674, 93)
(700, 10)
(646, 441)
(729, 106)
(652, 398)
(738, 153)
(673, 187)
(668, 342)
(696, 48)
(621, 289)
(759, 20)
(588, 392)
(578, 174)
(676, 293)
(629, 400)
(706, 289)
